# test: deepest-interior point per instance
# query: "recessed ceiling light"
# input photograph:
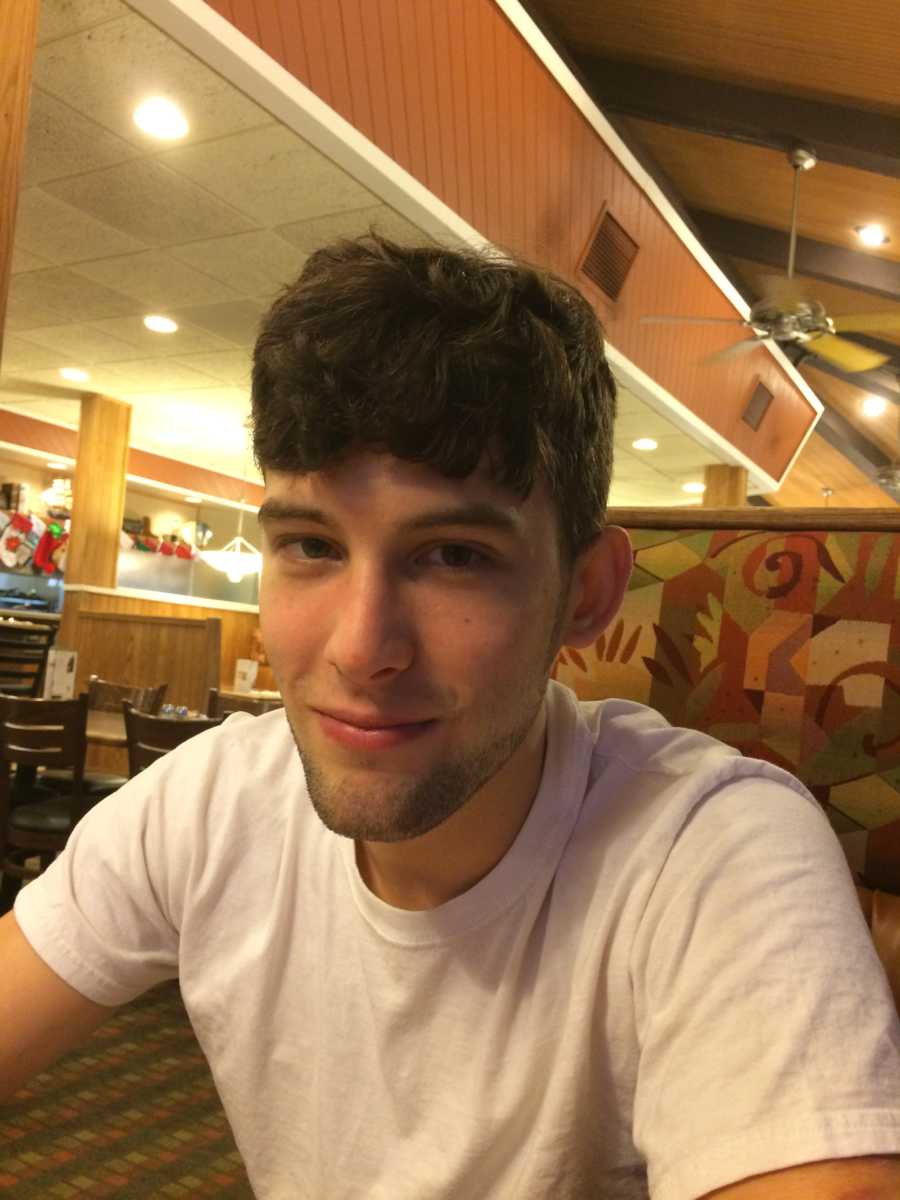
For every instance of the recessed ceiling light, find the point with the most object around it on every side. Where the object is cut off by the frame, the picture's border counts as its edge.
(161, 324)
(160, 118)
(74, 374)
(192, 498)
(874, 406)
(695, 488)
(58, 466)
(644, 444)
(872, 235)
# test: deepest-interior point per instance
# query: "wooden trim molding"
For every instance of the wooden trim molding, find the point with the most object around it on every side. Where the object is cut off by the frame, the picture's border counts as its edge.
(855, 520)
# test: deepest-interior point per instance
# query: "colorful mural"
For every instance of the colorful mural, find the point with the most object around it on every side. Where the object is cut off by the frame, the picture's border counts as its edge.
(784, 645)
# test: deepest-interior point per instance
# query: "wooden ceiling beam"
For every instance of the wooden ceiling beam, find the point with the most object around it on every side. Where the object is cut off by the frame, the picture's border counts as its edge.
(835, 264)
(852, 137)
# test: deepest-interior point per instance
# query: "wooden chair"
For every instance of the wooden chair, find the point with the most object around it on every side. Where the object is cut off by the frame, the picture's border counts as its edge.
(150, 737)
(218, 705)
(24, 646)
(107, 697)
(35, 733)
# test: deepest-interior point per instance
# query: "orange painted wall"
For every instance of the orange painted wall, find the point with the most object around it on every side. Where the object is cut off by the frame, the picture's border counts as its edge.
(453, 93)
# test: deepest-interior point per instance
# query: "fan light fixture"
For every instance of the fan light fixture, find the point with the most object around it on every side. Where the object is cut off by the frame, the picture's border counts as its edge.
(874, 406)
(161, 119)
(160, 324)
(871, 235)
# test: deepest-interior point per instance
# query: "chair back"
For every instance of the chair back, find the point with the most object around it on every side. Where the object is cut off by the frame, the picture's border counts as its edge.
(24, 647)
(150, 737)
(108, 696)
(218, 705)
(42, 733)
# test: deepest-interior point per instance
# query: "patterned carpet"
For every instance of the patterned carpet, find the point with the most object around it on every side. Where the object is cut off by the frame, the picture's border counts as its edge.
(133, 1113)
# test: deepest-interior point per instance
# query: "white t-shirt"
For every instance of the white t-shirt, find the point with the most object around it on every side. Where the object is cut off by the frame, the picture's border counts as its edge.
(667, 982)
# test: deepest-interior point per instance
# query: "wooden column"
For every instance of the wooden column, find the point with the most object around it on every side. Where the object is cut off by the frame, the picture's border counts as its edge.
(98, 491)
(18, 35)
(726, 486)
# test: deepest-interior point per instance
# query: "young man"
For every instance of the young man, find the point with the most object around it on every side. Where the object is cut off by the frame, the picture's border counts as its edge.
(445, 933)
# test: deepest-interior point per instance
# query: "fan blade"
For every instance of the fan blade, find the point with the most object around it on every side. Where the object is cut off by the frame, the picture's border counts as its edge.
(885, 322)
(737, 350)
(845, 354)
(692, 321)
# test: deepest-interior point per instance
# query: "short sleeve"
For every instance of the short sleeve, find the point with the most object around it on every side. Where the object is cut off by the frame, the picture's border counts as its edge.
(104, 915)
(767, 1032)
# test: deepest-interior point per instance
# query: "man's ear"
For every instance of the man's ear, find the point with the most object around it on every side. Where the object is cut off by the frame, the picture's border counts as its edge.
(599, 581)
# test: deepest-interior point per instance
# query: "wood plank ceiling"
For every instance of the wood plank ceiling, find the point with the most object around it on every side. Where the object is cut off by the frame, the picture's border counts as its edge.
(712, 95)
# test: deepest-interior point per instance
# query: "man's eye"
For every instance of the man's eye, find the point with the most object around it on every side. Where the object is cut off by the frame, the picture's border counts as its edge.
(454, 554)
(308, 547)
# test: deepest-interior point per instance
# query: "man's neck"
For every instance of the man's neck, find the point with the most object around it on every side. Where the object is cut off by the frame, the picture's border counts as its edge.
(427, 871)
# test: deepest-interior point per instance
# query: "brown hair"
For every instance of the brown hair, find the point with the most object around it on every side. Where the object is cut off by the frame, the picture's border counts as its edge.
(439, 356)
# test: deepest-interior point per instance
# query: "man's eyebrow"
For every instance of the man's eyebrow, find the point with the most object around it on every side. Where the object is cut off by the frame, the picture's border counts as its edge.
(478, 513)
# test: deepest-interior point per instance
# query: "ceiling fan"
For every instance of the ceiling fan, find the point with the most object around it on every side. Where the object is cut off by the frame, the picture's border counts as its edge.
(785, 316)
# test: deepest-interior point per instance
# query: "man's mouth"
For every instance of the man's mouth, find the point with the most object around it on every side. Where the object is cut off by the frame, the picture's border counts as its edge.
(371, 731)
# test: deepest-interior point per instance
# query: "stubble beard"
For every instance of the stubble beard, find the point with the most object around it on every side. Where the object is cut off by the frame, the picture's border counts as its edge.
(412, 807)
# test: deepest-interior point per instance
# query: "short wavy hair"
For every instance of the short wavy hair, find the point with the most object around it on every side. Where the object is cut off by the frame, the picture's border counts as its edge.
(442, 356)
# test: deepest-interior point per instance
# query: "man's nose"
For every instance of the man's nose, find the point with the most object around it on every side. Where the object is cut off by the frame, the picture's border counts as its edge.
(373, 634)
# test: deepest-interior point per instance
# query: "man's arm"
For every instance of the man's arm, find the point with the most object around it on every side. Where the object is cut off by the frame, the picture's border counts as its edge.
(870, 1178)
(40, 1016)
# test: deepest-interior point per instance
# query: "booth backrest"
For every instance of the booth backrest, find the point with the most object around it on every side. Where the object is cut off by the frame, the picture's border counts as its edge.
(784, 643)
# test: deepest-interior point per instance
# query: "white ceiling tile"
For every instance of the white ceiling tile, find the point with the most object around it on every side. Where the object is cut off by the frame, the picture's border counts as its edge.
(680, 452)
(23, 260)
(158, 374)
(253, 263)
(22, 354)
(106, 72)
(63, 234)
(643, 424)
(102, 379)
(229, 366)
(59, 412)
(147, 201)
(57, 294)
(188, 339)
(60, 141)
(156, 279)
(61, 17)
(270, 175)
(78, 343)
(237, 320)
(319, 231)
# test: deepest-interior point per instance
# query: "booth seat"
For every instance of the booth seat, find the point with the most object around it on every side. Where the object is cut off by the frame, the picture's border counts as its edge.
(778, 632)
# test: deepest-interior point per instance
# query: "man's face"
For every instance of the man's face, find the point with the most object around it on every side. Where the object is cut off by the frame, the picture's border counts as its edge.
(411, 622)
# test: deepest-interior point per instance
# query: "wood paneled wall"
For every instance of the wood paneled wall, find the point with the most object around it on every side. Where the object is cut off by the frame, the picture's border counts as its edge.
(453, 93)
(18, 34)
(127, 642)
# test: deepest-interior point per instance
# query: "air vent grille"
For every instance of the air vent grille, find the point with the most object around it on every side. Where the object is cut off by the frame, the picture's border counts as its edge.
(758, 406)
(609, 257)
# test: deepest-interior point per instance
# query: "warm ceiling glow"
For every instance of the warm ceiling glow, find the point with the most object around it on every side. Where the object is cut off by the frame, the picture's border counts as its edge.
(644, 444)
(874, 406)
(160, 118)
(695, 488)
(872, 235)
(74, 374)
(58, 466)
(192, 498)
(160, 324)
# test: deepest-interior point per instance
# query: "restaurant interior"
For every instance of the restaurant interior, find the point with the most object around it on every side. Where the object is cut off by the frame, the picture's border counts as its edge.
(728, 199)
